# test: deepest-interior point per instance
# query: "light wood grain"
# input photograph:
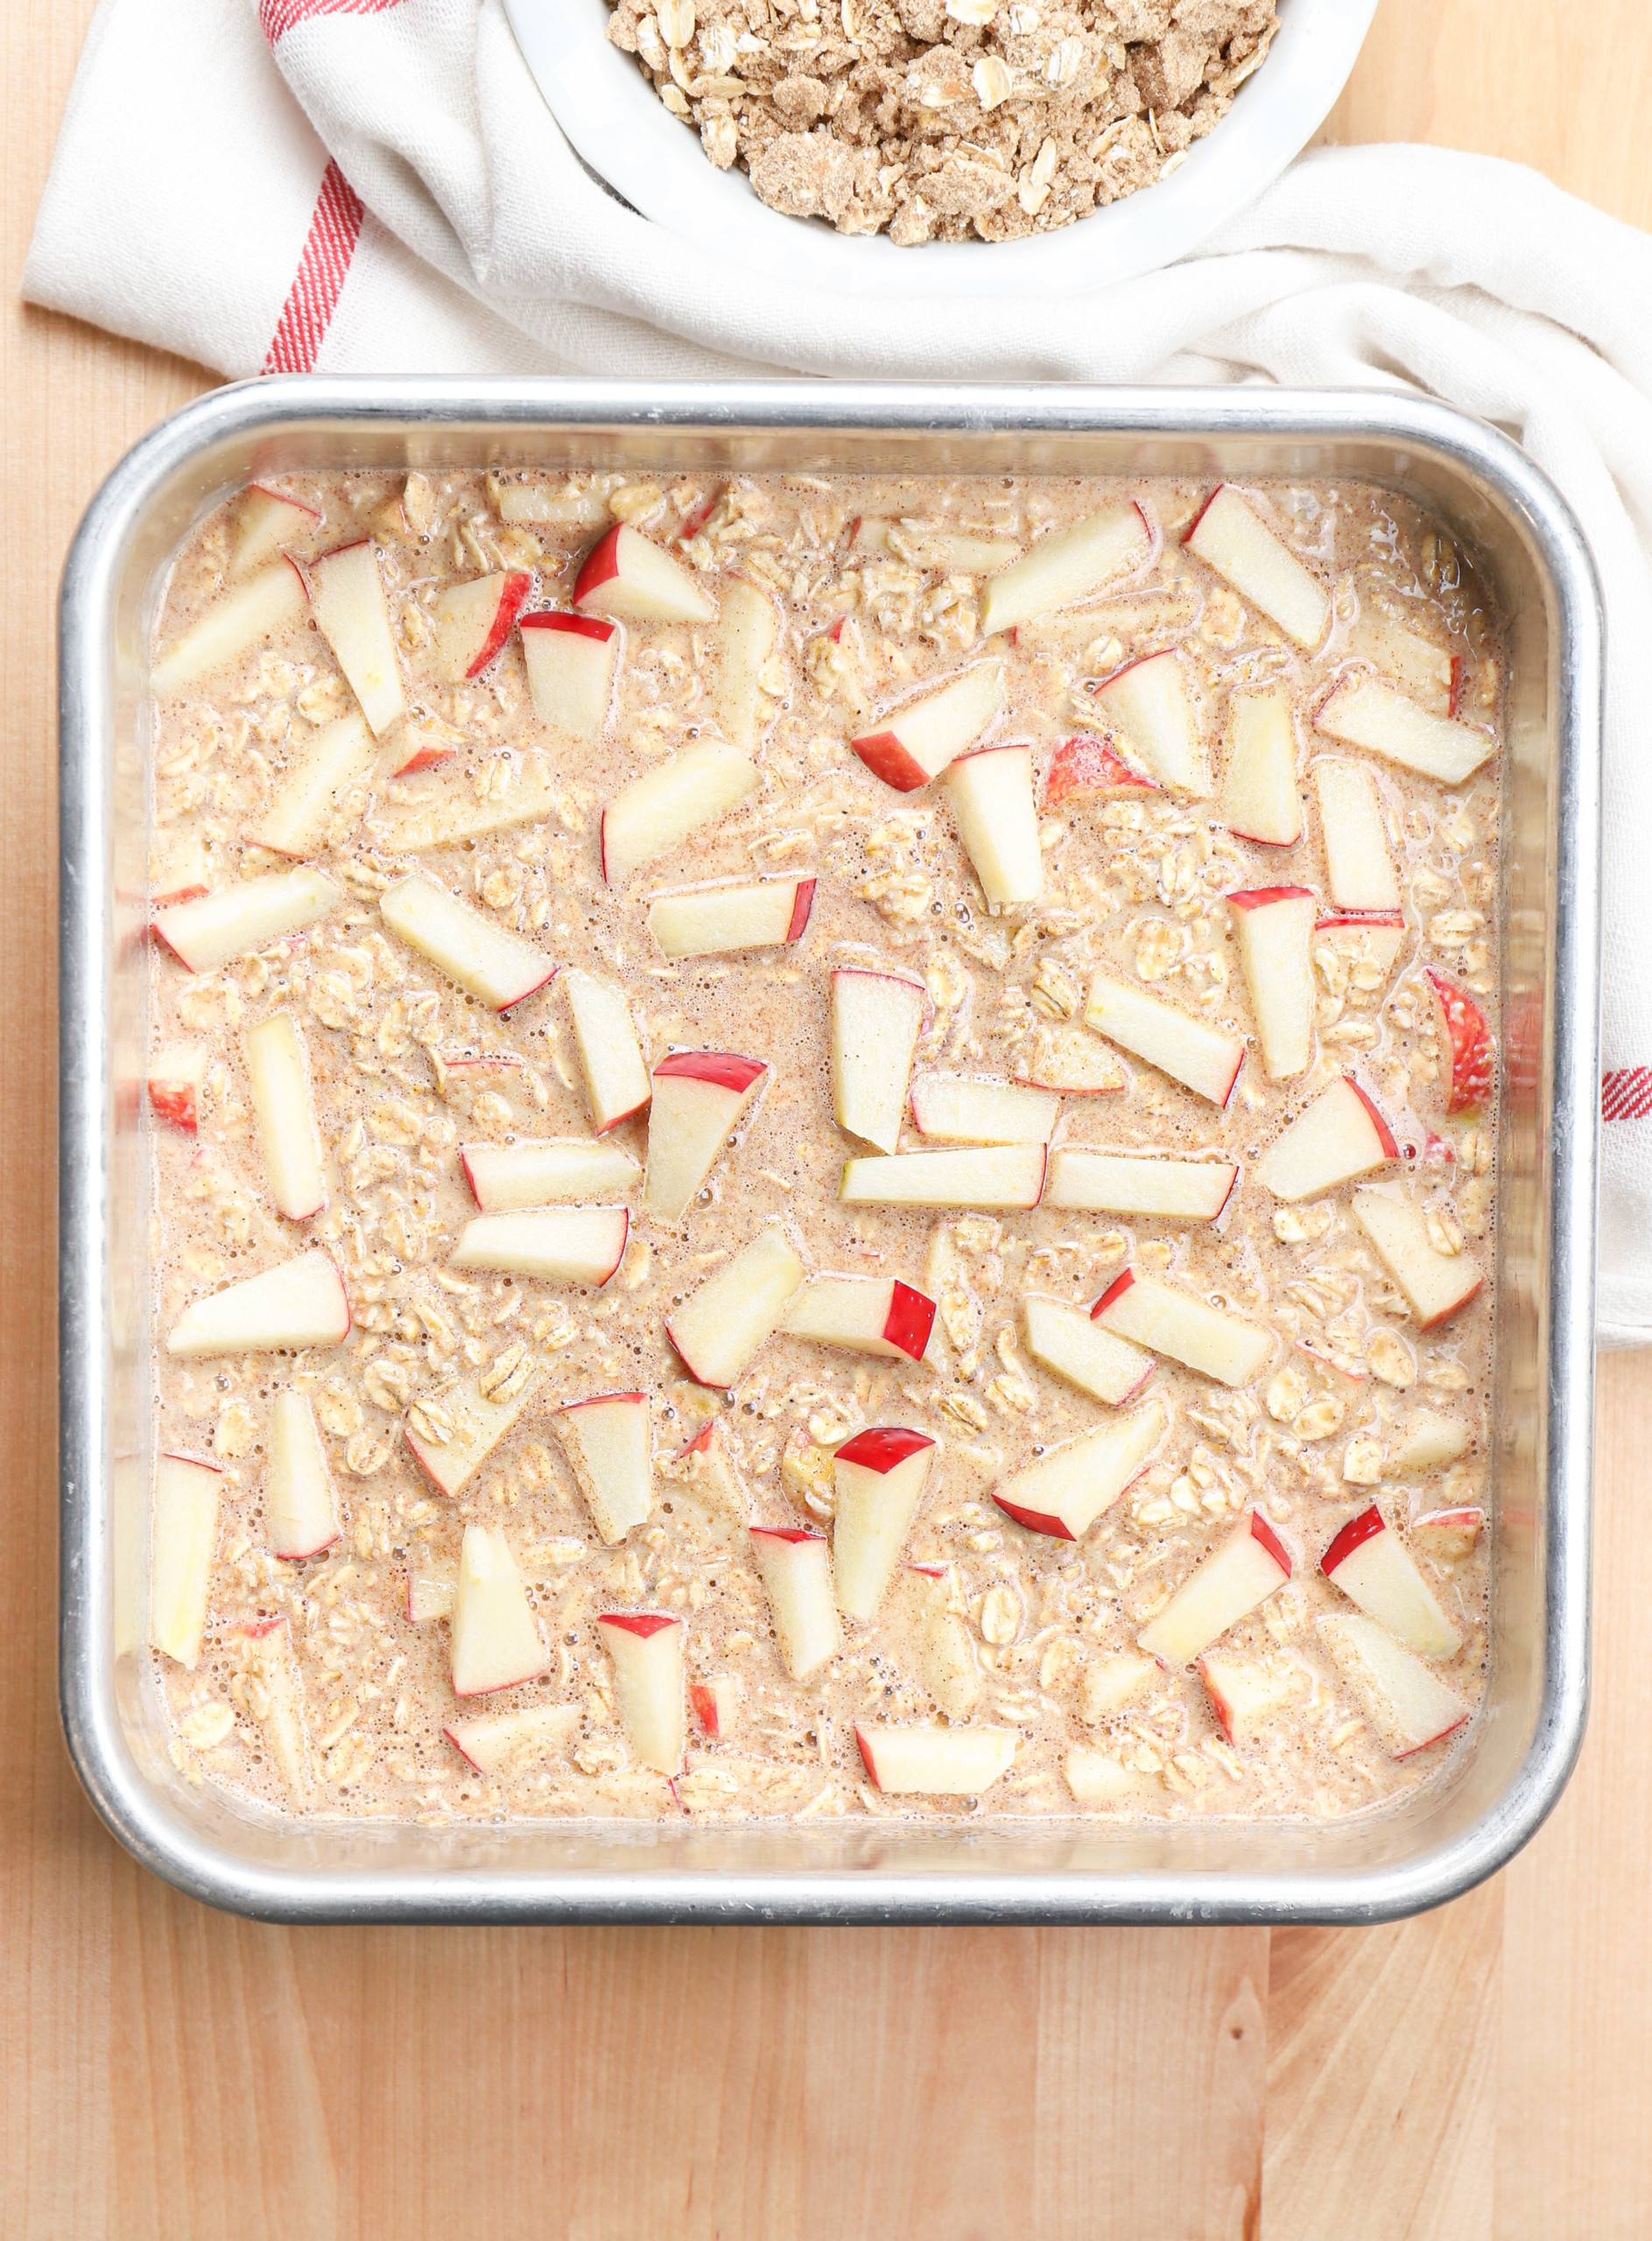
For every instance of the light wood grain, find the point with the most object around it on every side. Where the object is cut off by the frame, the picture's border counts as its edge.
(166, 2072)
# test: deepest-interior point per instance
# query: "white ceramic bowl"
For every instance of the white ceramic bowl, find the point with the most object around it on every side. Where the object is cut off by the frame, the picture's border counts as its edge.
(619, 128)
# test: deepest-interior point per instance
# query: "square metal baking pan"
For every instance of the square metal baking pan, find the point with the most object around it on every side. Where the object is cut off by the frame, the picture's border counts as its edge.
(1520, 1747)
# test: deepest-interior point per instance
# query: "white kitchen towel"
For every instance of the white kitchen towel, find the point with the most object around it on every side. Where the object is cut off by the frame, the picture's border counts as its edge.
(375, 186)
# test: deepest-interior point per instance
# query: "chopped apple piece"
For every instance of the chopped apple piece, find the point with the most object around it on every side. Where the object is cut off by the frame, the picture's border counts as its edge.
(509, 1743)
(1189, 1051)
(716, 1703)
(610, 1451)
(1084, 766)
(720, 1329)
(474, 620)
(1361, 713)
(868, 1315)
(278, 1069)
(1245, 1694)
(616, 1082)
(1065, 1492)
(993, 1176)
(176, 1075)
(1275, 928)
(301, 1303)
(1229, 537)
(337, 757)
(1066, 1342)
(214, 928)
(876, 1019)
(570, 660)
(1358, 869)
(268, 520)
(699, 1097)
(554, 1245)
(706, 1469)
(1373, 1568)
(626, 576)
(1341, 1136)
(916, 741)
(1071, 1061)
(504, 1177)
(487, 961)
(265, 606)
(457, 815)
(949, 1110)
(1435, 1284)
(301, 1510)
(1095, 1779)
(1407, 1706)
(991, 793)
(715, 919)
(928, 545)
(935, 1761)
(1448, 1535)
(496, 1641)
(1227, 1586)
(669, 803)
(471, 1425)
(748, 632)
(939, 1640)
(1109, 1183)
(645, 1648)
(1374, 939)
(1260, 799)
(1147, 700)
(880, 1476)
(1428, 1441)
(1461, 1027)
(1066, 567)
(1114, 1682)
(796, 1570)
(183, 1540)
(1415, 662)
(279, 1702)
(346, 596)
(1167, 1321)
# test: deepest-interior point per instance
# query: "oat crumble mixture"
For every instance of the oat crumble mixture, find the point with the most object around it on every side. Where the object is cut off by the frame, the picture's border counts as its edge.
(947, 120)
(325, 1686)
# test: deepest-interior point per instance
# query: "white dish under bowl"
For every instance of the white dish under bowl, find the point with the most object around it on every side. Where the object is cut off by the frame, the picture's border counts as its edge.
(623, 132)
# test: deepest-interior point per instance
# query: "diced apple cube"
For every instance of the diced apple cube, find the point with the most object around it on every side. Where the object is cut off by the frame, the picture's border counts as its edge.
(610, 1451)
(487, 961)
(474, 620)
(1171, 1189)
(1065, 1492)
(713, 920)
(347, 597)
(1065, 567)
(1460, 1025)
(570, 660)
(670, 803)
(1373, 1568)
(301, 1303)
(289, 1141)
(1095, 1779)
(334, 759)
(876, 1021)
(1428, 1441)
(1275, 929)
(916, 742)
(991, 793)
(301, 1510)
(1245, 1695)
(1260, 799)
(214, 928)
(1362, 712)
(796, 1568)
(1066, 1342)
(266, 607)
(616, 1081)
(1001, 1176)
(626, 576)
(1084, 766)
(699, 1096)
(879, 1476)
(268, 520)
(1435, 1284)
(471, 1427)
(1169, 1321)
(175, 1079)
(1415, 663)
(505, 1178)
(1340, 1136)
(1448, 1535)
(509, 1743)
(748, 632)
(950, 1110)
(721, 1329)
(1229, 537)
(552, 1245)
(868, 1315)
(645, 1648)
(1407, 1706)
(496, 1641)
(1191, 1051)
(716, 1703)
(457, 815)
(1358, 869)
(1147, 700)
(1227, 1586)
(183, 1540)
(935, 1761)
(1114, 1682)
(937, 1639)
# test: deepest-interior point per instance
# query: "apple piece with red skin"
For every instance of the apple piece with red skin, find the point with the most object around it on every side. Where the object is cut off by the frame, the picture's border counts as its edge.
(1065, 1492)
(183, 1542)
(796, 1568)
(1461, 1027)
(1084, 765)
(990, 789)
(1435, 1284)
(1260, 799)
(505, 1178)
(1189, 1051)
(570, 660)
(668, 805)
(627, 577)
(699, 1097)
(347, 599)
(479, 1425)
(879, 1476)
(267, 606)
(340, 756)
(474, 620)
(1372, 1567)
(716, 1703)
(1066, 566)
(1359, 867)
(1083, 1179)
(916, 742)
(1338, 1137)
(610, 1451)
(496, 1641)
(868, 1315)
(1448, 1535)
(301, 1510)
(748, 632)
(988, 1178)
(950, 1109)
(1405, 1704)
(1223, 1588)
(1169, 1321)
(616, 1080)
(875, 1019)
(1374, 936)
(935, 1761)
(176, 1075)
(1360, 712)
(1067, 1342)
(487, 961)
(284, 1111)
(1227, 536)
(720, 1330)
(298, 1302)
(550, 1245)
(267, 522)
(1275, 926)
(1244, 1694)
(509, 1743)
(710, 921)
(213, 929)
(1147, 701)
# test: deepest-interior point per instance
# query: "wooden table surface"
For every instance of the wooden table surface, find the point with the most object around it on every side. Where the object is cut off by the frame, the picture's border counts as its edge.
(164, 2070)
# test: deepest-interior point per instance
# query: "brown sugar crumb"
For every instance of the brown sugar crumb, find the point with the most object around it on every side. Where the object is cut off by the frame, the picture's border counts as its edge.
(947, 120)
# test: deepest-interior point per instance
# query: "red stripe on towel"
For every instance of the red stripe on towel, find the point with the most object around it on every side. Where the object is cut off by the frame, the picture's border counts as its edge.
(278, 17)
(313, 299)
(1626, 1094)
